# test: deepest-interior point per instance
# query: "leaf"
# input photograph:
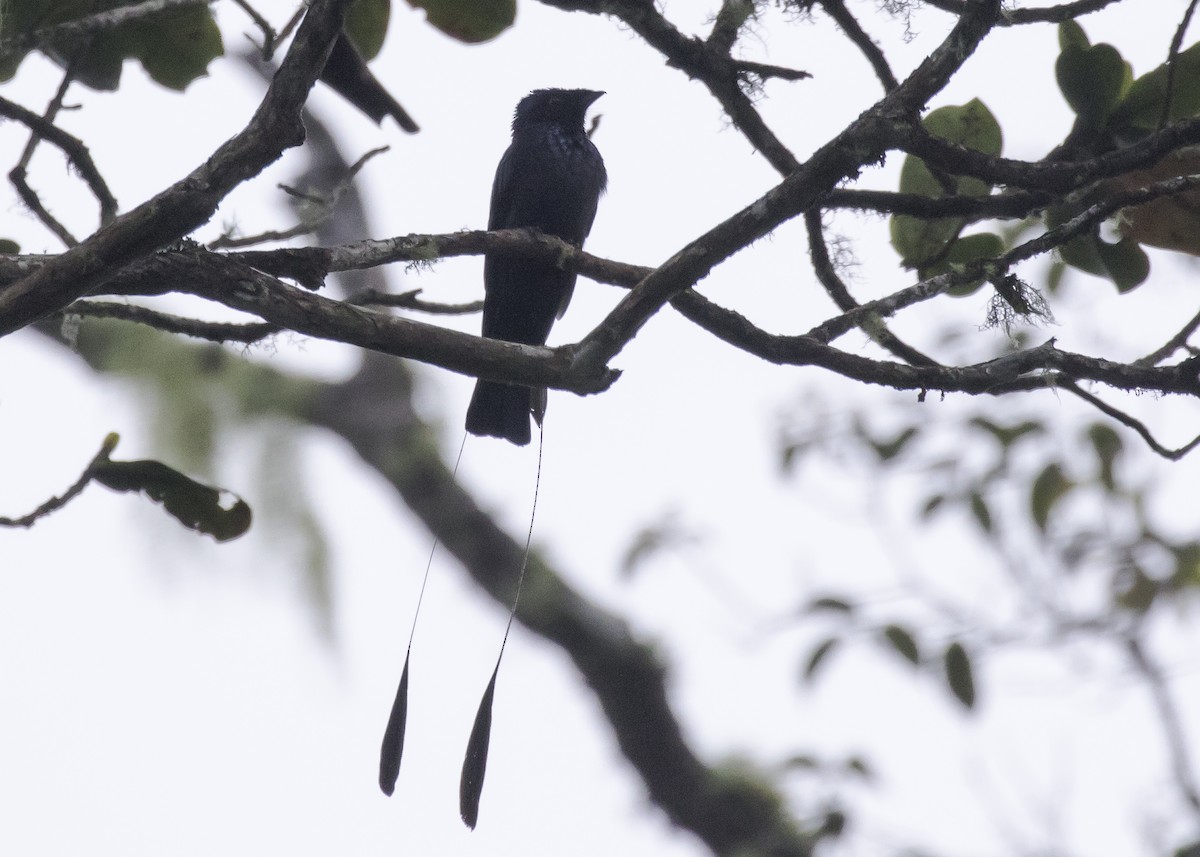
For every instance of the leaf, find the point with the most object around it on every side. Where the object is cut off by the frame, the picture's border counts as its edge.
(1107, 445)
(829, 604)
(818, 657)
(469, 20)
(980, 511)
(7, 245)
(470, 787)
(903, 642)
(1071, 35)
(922, 241)
(859, 766)
(1008, 435)
(217, 513)
(960, 674)
(1169, 222)
(366, 24)
(1049, 486)
(175, 46)
(965, 250)
(1092, 80)
(1127, 264)
(886, 450)
(1142, 107)
(392, 749)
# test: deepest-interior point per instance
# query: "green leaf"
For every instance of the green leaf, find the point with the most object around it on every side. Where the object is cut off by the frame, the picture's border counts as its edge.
(1127, 264)
(7, 245)
(1048, 488)
(828, 604)
(818, 657)
(1092, 80)
(965, 250)
(1008, 435)
(980, 511)
(217, 513)
(469, 20)
(960, 676)
(174, 46)
(921, 241)
(903, 642)
(1071, 35)
(1107, 445)
(1142, 107)
(366, 24)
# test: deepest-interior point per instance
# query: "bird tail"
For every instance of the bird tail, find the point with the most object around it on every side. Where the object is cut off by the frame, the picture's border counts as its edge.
(500, 410)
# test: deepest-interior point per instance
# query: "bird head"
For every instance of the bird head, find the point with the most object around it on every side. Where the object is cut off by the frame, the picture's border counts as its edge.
(565, 107)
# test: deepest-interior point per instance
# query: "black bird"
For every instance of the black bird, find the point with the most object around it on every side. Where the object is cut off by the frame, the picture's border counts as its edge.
(551, 179)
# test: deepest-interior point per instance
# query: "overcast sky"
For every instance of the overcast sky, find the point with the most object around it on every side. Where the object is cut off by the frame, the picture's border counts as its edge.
(160, 694)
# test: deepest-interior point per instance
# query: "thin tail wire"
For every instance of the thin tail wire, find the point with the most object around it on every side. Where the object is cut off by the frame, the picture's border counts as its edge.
(433, 551)
(392, 749)
(470, 785)
(537, 487)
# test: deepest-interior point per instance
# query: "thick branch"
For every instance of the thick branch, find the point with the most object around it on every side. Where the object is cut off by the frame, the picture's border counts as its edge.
(190, 202)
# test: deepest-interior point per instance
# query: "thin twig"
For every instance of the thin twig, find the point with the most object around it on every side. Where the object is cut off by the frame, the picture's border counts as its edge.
(1179, 340)
(1172, 63)
(1128, 421)
(270, 37)
(856, 34)
(56, 503)
(411, 300)
(1171, 722)
(212, 331)
(19, 173)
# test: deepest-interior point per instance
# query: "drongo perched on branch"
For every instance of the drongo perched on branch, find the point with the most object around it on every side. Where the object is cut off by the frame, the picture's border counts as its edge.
(550, 179)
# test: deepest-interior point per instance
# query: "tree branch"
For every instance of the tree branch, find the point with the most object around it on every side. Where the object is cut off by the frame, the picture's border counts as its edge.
(190, 202)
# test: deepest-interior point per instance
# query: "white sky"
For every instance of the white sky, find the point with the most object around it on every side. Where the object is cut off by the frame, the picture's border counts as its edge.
(162, 694)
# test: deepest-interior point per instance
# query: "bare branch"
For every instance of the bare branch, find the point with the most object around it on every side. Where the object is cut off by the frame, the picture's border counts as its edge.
(190, 202)
(213, 331)
(855, 33)
(56, 503)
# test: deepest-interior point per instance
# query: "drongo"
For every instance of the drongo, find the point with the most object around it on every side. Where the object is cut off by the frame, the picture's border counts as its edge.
(550, 179)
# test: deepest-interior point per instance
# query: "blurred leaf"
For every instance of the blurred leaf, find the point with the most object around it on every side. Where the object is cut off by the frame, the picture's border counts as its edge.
(932, 504)
(366, 24)
(818, 657)
(886, 450)
(9, 246)
(1092, 80)
(469, 20)
(829, 604)
(903, 642)
(470, 786)
(960, 675)
(1049, 486)
(802, 762)
(1187, 566)
(663, 535)
(1008, 435)
(921, 241)
(218, 513)
(1135, 590)
(858, 765)
(980, 511)
(1107, 445)
(174, 46)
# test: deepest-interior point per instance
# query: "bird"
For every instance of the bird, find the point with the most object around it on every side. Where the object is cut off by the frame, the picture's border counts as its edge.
(550, 178)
